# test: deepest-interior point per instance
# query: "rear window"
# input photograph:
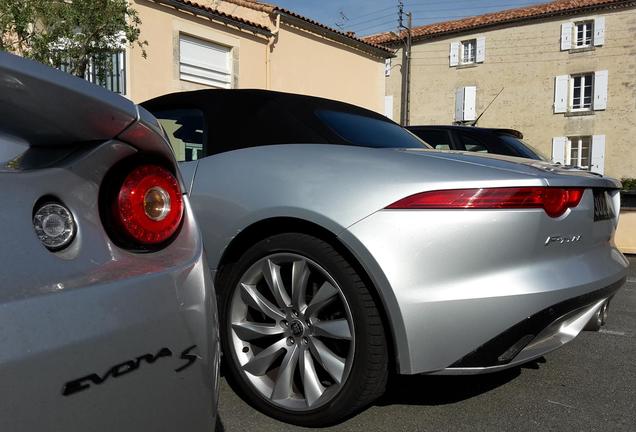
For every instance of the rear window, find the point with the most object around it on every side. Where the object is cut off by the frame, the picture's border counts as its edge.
(436, 138)
(185, 131)
(366, 131)
(522, 148)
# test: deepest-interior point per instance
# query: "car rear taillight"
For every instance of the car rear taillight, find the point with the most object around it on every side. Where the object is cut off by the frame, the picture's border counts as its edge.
(148, 207)
(555, 201)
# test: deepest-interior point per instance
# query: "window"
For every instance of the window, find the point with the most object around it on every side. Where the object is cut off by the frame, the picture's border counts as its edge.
(583, 34)
(581, 92)
(204, 62)
(471, 144)
(518, 147)
(113, 79)
(584, 151)
(366, 131)
(185, 131)
(438, 139)
(577, 152)
(581, 87)
(469, 51)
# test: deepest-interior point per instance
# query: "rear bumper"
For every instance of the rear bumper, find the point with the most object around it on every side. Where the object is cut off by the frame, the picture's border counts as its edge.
(535, 336)
(135, 353)
(451, 282)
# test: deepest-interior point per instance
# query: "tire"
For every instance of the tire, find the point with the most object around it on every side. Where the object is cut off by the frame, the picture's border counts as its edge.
(305, 384)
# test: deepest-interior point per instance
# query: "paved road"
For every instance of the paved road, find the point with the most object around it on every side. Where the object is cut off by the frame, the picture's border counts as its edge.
(588, 385)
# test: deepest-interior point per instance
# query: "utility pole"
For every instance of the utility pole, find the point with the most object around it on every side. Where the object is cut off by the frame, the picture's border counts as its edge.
(406, 62)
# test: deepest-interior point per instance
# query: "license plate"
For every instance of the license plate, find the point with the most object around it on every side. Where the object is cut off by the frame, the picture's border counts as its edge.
(602, 206)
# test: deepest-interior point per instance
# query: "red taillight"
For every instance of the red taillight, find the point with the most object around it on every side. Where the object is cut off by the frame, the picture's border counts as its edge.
(149, 205)
(555, 201)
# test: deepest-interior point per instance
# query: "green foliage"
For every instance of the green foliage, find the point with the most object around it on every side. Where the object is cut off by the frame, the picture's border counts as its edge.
(628, 183)
(69, 32)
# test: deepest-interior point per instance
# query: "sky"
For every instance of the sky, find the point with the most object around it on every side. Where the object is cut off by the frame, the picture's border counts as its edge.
(366, 17)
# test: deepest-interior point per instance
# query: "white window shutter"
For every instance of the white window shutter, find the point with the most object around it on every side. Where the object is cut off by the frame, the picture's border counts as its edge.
(454, 53)
(597, 164)
(470, 105)
(387, 67)
(599, 31)
(204, 62)
(388, 106)
(600, 90)
(481, 50)
(561, 83)
(566, 36)
(459, 104)
(558, 149)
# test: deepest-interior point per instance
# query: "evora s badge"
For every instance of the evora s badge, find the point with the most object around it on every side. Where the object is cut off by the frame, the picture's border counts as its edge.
(187, 358)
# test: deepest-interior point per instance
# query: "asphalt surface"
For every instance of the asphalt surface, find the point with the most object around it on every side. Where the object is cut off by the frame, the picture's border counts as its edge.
(588, 385)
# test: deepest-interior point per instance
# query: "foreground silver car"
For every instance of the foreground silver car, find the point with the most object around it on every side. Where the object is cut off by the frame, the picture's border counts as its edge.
(107, 311)
(342, 246)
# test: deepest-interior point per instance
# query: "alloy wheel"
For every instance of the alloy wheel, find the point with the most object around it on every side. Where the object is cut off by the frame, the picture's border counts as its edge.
(292, 331)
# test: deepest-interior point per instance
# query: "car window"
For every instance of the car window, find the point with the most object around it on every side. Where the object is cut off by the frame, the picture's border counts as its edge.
(436, 138)
(522, 148)
(367, 131)
(185, 129)
(472, 144)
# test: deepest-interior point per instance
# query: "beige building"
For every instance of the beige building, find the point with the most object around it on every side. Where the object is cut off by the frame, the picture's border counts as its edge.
(565, 73)
(247, 44)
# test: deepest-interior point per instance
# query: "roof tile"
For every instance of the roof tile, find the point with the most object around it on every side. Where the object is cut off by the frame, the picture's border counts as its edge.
(215, 11)
(557, 7)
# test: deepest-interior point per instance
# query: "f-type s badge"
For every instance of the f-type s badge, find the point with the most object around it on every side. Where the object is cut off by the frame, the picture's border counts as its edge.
(562, 239)
(186, 357)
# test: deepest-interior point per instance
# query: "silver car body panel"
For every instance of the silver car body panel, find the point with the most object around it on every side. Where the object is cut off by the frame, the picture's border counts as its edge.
(557, 334)
(438, 273)
(93, 309)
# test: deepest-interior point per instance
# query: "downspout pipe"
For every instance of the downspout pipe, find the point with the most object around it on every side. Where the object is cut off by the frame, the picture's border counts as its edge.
(271, 40)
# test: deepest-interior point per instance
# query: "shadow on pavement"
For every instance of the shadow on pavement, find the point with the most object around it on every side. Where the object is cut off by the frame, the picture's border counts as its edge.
(441, 390)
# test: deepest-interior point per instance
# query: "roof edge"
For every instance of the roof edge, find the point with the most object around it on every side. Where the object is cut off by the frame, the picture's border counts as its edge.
(620, 4)
(330, 33)
(216, 15)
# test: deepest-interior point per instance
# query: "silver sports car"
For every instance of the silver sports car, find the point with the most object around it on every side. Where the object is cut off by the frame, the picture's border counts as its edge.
(343, 247)
(107, 311)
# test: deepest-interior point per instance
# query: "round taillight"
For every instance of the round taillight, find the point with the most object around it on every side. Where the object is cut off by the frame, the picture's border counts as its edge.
(149, 205)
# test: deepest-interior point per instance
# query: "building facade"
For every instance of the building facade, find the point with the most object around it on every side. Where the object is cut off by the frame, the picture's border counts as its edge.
(247, 44)
(562, 73)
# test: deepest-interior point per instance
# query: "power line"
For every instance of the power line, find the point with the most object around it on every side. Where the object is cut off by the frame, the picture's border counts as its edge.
(441, 18)
(369, 21)
(376, 26)
(413, 4)
(481, 6)
(353, 22)
(372, 13)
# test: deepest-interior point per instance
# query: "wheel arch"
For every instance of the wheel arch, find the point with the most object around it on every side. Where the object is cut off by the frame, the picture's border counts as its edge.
(278, 225)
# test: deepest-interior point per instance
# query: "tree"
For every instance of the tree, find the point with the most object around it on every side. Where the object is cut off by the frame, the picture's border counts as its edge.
(70, 33)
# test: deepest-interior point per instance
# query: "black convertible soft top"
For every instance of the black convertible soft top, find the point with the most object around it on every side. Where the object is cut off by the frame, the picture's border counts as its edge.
(241, 118)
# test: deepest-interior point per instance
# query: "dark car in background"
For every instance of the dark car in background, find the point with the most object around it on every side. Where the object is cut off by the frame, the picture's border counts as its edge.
(507, 142)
